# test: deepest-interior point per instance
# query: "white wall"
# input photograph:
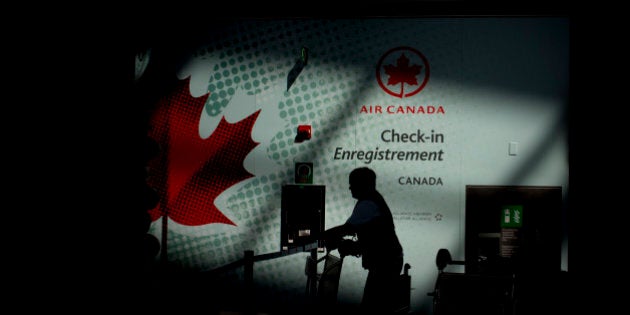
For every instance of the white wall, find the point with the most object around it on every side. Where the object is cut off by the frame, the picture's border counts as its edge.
(498, 80)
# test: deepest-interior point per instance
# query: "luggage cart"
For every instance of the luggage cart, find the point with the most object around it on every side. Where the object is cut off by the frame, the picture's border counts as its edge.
(323, 286)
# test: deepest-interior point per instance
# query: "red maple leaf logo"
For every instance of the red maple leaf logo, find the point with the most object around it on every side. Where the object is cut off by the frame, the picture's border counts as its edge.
(402, 72)
(191, 172)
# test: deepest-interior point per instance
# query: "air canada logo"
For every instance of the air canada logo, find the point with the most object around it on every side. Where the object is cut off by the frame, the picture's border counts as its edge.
(402, 72)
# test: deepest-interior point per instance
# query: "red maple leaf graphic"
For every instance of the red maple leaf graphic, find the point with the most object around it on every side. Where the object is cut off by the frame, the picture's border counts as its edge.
(402, 72)
(191, 172)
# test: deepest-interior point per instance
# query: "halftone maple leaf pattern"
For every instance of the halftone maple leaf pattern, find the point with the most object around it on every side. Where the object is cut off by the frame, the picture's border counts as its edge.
(402, 72)
(191, 172)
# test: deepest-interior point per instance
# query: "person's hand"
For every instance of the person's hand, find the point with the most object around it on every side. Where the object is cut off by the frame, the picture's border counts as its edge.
(333, 236)
(331, 243)
(349, 247)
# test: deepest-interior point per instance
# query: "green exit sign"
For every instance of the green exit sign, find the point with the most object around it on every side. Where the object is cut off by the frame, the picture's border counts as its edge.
(512, 216)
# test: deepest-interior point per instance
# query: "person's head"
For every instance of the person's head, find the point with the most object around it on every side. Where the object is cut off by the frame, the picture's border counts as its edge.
(362, 181)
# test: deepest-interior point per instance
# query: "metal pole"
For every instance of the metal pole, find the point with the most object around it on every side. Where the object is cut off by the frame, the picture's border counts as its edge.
(248, 263)
(163, 246)
(313, 275)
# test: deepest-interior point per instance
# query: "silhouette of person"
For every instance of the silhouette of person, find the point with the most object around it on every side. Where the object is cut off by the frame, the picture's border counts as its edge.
(376, 242)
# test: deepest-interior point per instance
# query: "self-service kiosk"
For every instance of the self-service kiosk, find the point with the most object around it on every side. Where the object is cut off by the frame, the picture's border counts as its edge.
(302, 216)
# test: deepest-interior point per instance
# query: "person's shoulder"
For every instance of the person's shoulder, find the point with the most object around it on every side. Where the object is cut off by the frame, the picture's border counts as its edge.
(367, 204)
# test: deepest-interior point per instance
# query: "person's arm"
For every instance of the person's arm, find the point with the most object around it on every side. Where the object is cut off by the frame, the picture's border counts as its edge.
(363, 212)
(334, 236)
